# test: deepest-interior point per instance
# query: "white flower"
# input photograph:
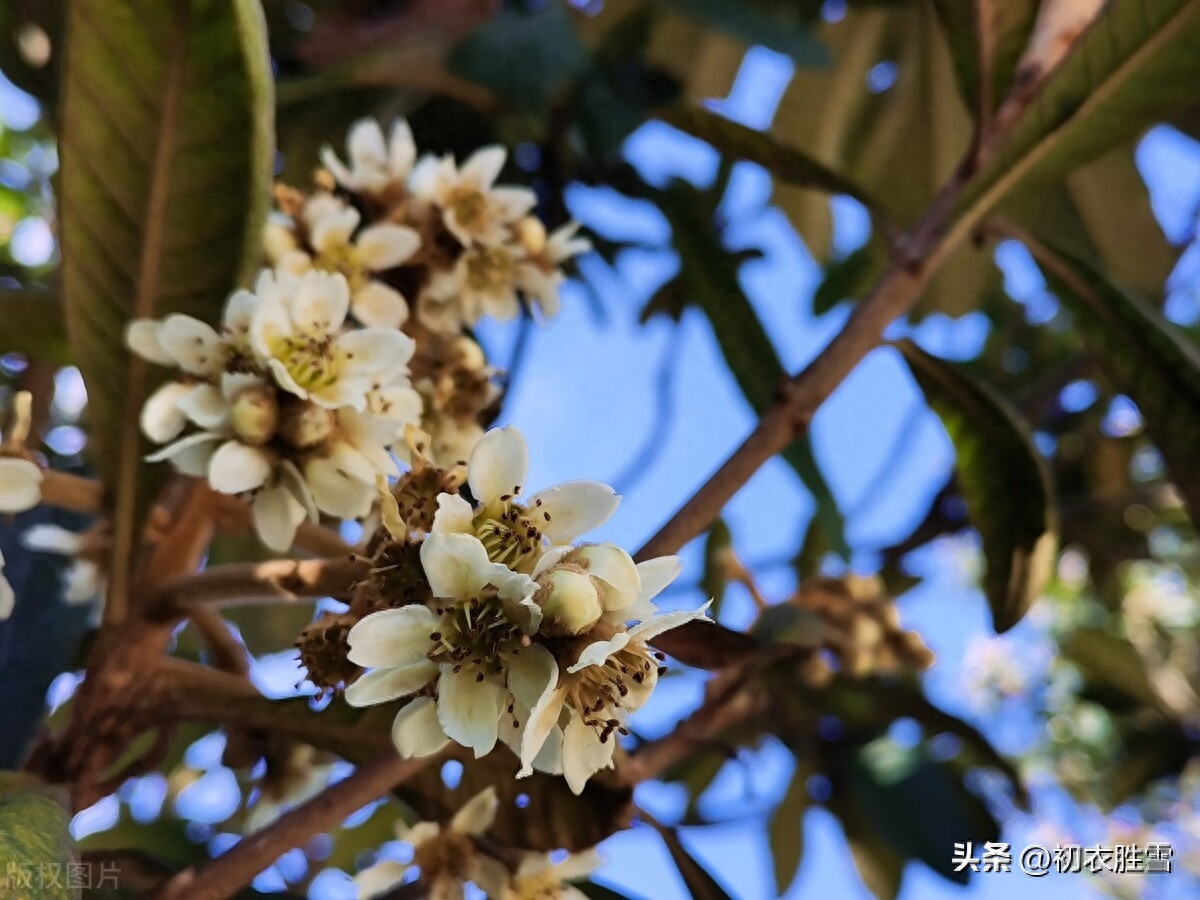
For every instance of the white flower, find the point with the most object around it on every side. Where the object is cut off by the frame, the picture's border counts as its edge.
(298, 331)
(330, 227)
(8, 599)
(474, 643)
(473, 210)
(539, 273)
(20, 485)
(445, 854)
(375, 163)
(482, 282)
(83, 580)
(304, 778)
(537, 877)
(613, 675)
(514, 531)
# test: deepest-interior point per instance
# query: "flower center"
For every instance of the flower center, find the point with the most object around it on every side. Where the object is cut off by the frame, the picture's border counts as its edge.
(510, 533)
(476, 632)
(469, 206)
(446, 856)
(312, 360)
(603, 694)
(489, 269)
(345, 261)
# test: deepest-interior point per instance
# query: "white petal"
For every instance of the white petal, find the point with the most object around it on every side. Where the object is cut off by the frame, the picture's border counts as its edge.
(651, 628)
(613, 566)
(531, 674)
(238, 467)
(416, 732)
(542, 721)
(161, 419)
(333, 230)
(7, 598)
(205, 405)
(483, 166)
(321, 302)
(269, 324)
(385, 246)
(277, 514)
(477, 814)
(657, 574)
(402, 149)
(82, 583)
(239, 312)
(379, 879)
(190, 455)
(284, 379)
(498, 464)
(583, 753)
(366, 145)
(337, 168)
(370, 350)
(595, 653)
(454, 515)
(575, 508)
(20, 485)
(385, 684)
(513, 202)
(343, 483)
(52, 539)
(392, 637)
(141, 336)
(550, 557)
(470, 710)
(377, 304)
(194, 345)
(456, 565)
(578, 865)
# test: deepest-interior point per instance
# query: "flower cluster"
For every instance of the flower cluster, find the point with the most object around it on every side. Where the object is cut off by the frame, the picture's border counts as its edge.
(515, 635)
(283, 403)
(431, 247)
(446, 856)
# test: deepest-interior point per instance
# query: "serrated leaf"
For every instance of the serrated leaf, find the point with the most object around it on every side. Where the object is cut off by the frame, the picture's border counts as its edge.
(1003, 478)
(525, 56)
(785, 831)
(34, 839)
(1140, 354)
(986, 38)
(700, 882)
(166, 156)
(31, 322)
(1135, 64)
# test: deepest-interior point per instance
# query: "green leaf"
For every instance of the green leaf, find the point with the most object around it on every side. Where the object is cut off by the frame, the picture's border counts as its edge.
(890, 782)
(1132, 67)
(525, 57)
(718, 544)
(783, 27)
(700, 882)
(852, 277)
(785, 163)
(1004, 480)
(709, 275)
(31, 322)
(785, 831)
(986, 38)
(1109, 660)
(166, 158)
(1140, 354)
(879, 865)
(34, 840)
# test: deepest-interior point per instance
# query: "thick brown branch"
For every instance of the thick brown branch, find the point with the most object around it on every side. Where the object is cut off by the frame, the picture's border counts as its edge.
(279, 579)
(73, 492)
(221, 877)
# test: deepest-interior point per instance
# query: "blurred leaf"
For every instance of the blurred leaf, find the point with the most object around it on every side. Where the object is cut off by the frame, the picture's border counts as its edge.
(879, 865)
(34, 838)
(524, 56)
(709, 275)
(1106, 659)
(31, 322)
(785, 831)
(785, 623)
(735, 141)
(783, 27)
(1159, 752)
(714, 580)
(852, 277)
(891, 782)
(164, 838)
(1135, 64)
(350, 843)
(987, 38)
(1140, 354)
(1003, 479)
(700, 883)
(166, 159)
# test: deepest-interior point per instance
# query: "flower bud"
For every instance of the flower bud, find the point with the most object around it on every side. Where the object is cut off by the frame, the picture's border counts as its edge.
(531, 235)
(255, 415)
(468, 354)
(569, 601)
(613, 568)
(305, 425)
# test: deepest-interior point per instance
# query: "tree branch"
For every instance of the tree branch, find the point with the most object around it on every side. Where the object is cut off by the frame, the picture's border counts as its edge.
(73, 492)
(278, 579)
(221, 877)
